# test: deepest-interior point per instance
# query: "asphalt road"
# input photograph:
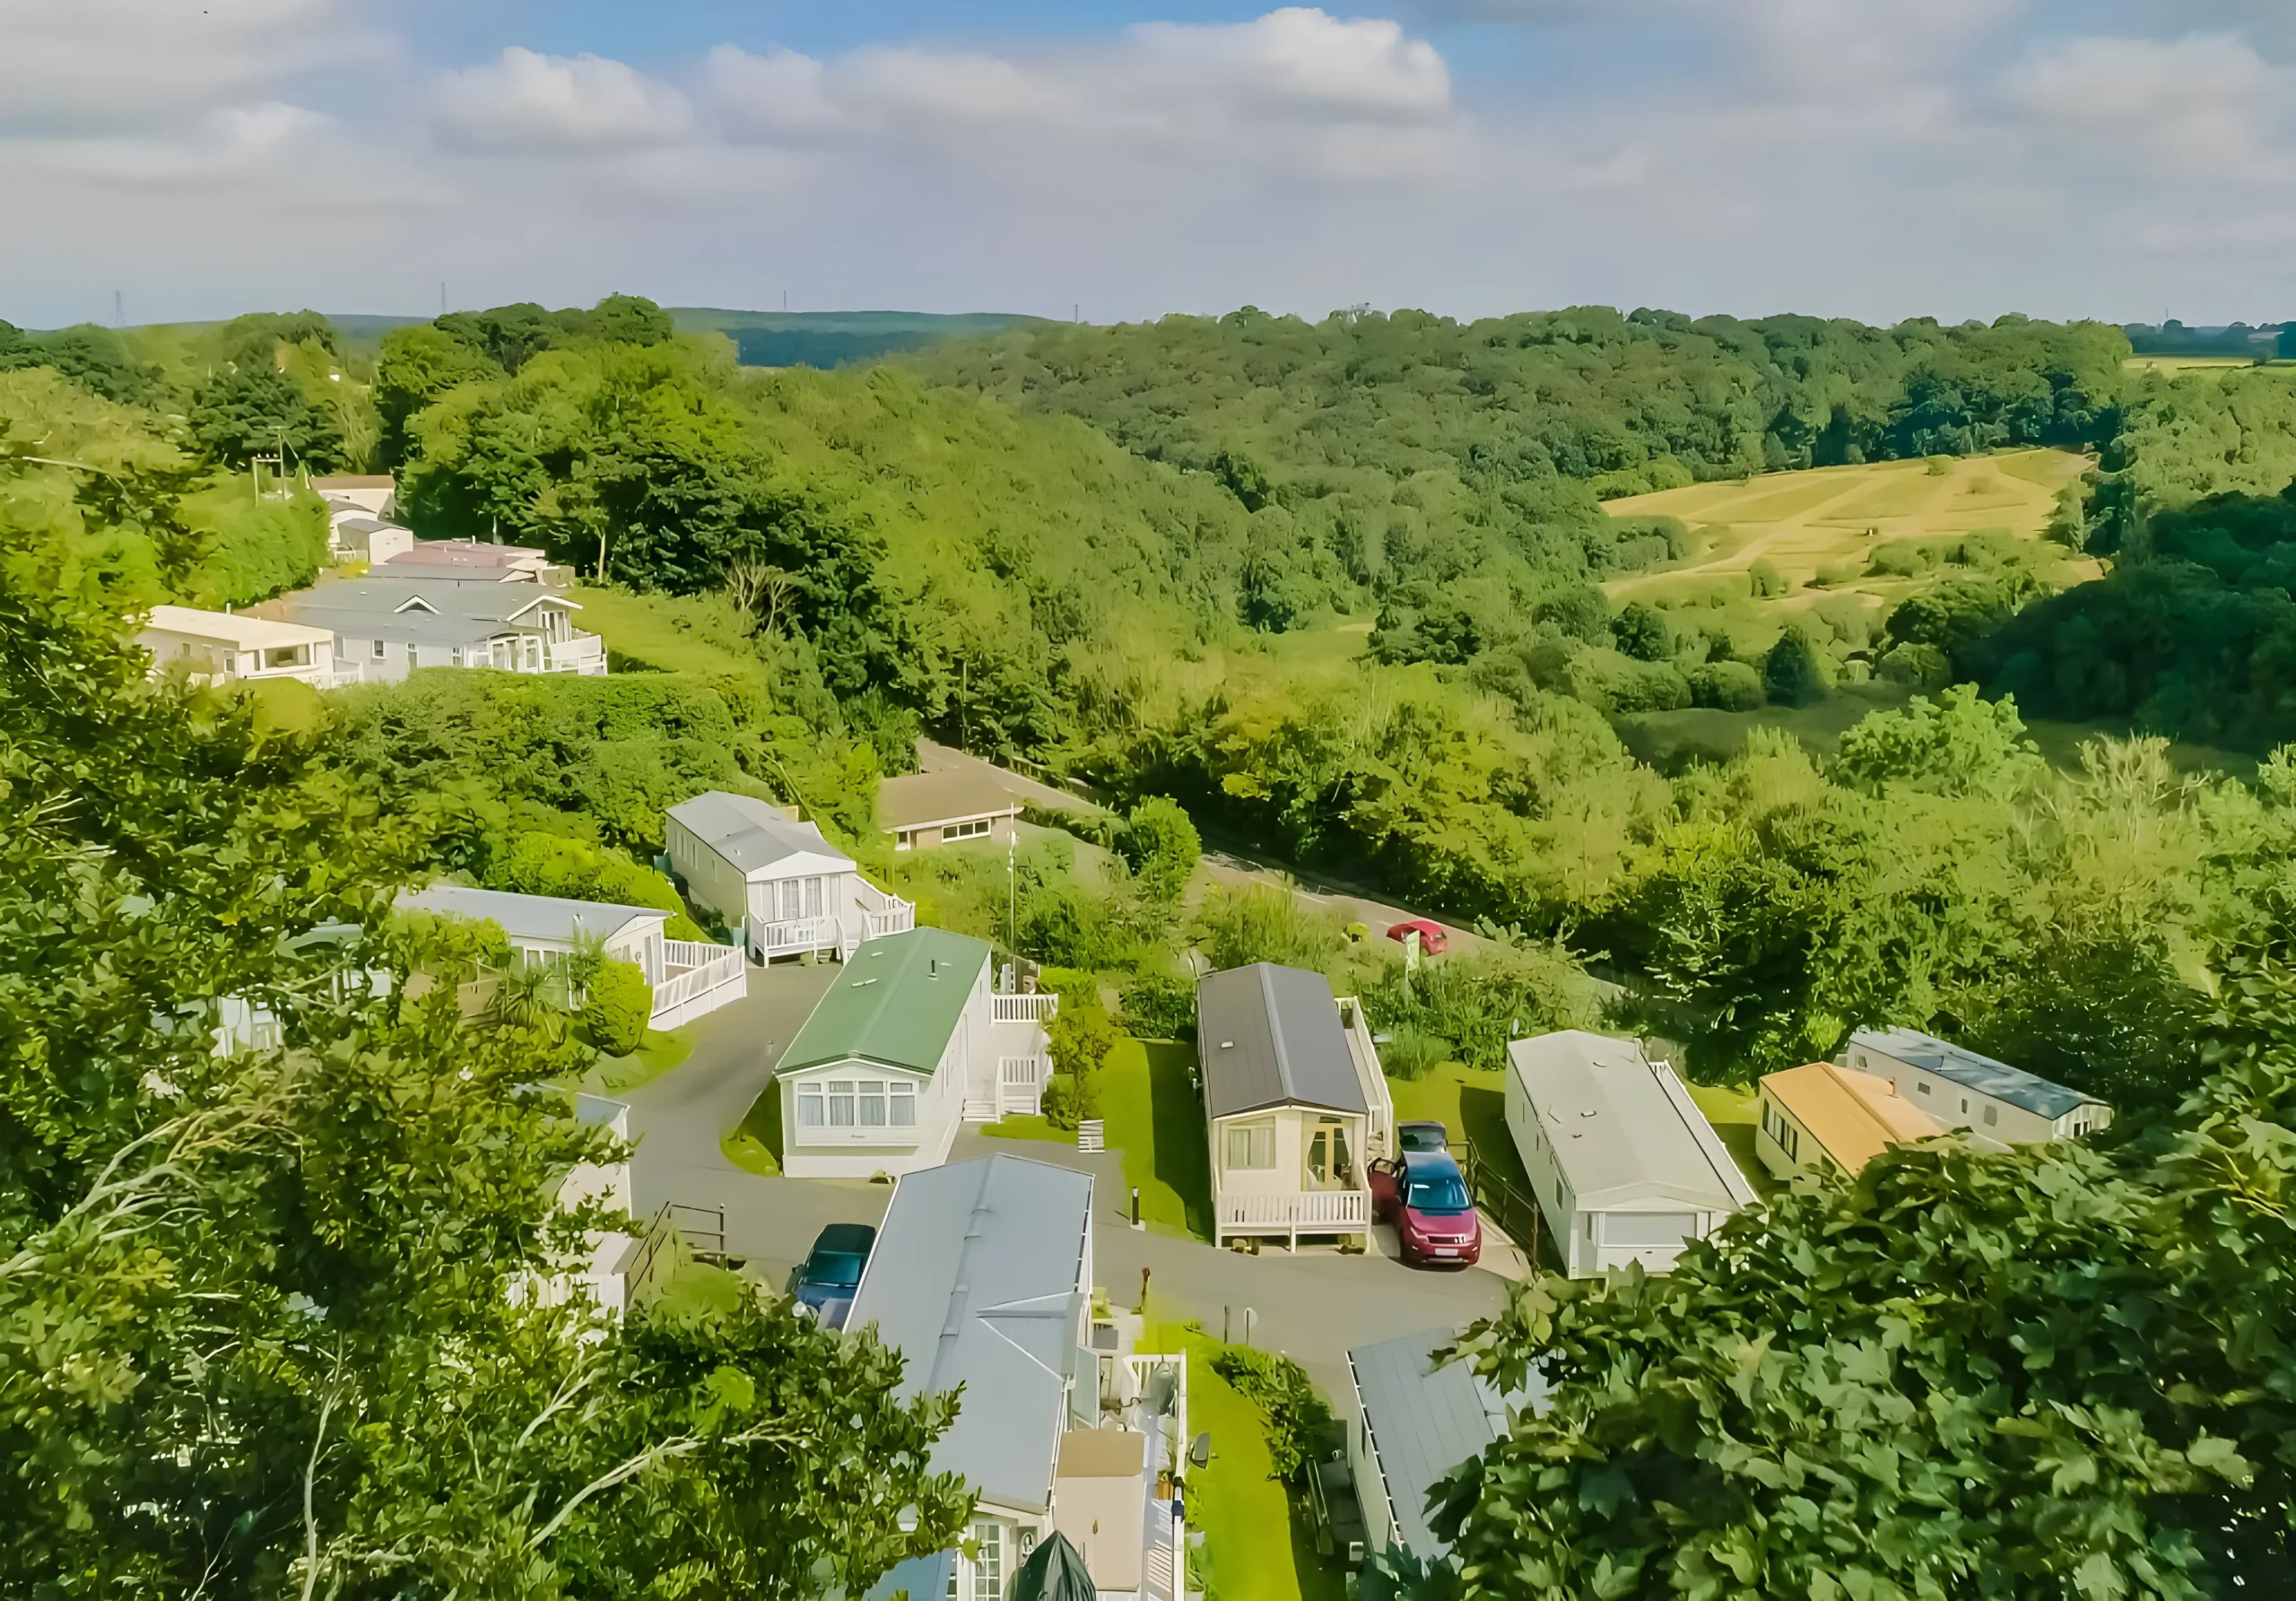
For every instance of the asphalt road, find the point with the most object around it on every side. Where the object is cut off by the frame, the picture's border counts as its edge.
(1313, 1306)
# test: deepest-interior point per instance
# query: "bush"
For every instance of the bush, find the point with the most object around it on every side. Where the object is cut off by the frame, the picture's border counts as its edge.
(1159, 1006)
(1236, 927)
(1409, 1054)
(1727, 686)
(620, 1003)
(1061, 1103)
(1079, 1039)
(1769, 583)
(1279, 1388)
(1161, 846)
(1795, 673)
(1924, 667)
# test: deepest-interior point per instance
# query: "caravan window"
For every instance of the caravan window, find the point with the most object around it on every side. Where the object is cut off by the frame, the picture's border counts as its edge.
(1250, 1146)
(809, 1107)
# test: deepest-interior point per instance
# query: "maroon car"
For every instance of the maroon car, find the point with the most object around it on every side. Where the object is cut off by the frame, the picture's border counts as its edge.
(1431, 937)
(1423, 1194)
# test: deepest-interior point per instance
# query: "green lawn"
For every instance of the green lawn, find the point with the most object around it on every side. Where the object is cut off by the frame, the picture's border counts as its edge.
(1258, 1544)
(1472, 1103)
(1021, 1126)
(756, 1145)
(1736, 1114)
(1153, 1115)
(656, 1054)
(657, 633)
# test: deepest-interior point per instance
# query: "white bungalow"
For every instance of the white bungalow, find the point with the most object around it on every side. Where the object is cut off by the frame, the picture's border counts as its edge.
(1296, 1104)
(908, 1044)
(219, 648)
(785, 885)
(1622, 1163)
(690, 978)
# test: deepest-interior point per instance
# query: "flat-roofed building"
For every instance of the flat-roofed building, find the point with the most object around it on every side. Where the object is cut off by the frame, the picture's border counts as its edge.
(1998, 1105)
(922, 810)
(1624, 1166)
(218, 648)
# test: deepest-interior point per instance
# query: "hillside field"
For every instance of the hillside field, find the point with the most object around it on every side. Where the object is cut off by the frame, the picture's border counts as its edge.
(1881, 532)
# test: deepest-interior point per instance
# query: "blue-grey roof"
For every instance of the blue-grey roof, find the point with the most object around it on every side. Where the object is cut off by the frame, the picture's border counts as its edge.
(1270, 1036)
(749, 833)
(924, 1578)
(976, 1279)
(1424, 1421)
(2026, 1091)
(530, 917)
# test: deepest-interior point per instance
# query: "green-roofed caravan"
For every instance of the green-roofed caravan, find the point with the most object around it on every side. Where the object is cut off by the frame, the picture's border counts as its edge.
(896, 1004)
(907, 1043)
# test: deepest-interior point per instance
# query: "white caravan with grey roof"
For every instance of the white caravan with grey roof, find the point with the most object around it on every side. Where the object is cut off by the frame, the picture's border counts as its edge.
(1995, 1104)
(1623, 1165)
(778, 879)
(1296, 1104)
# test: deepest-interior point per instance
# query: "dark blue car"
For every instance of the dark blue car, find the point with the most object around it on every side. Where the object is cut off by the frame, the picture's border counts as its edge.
(825, 1281)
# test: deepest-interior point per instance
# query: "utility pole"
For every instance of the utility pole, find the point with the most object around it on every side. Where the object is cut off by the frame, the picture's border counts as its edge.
(785, 302)
(118, 310)
(442, 297)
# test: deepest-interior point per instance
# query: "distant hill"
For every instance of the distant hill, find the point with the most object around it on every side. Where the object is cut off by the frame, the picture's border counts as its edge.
(834, 338)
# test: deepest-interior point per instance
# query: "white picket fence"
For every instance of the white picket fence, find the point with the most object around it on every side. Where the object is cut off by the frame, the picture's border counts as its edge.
(1090, 1136)
(705, 977)
(1022, 1008)
(1020, 1084)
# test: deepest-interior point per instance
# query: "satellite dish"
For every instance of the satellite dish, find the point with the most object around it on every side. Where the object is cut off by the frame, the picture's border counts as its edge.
(1199, 1451)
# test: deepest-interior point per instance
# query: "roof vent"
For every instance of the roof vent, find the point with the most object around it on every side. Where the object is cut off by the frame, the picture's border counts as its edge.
(1227, 1045)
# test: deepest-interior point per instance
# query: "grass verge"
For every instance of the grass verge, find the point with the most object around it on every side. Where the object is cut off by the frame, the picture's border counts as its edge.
(1149, 1105)
(1736, 1114)
(1020, 1125)
(1257, 1544)
(656, 1054)
(756, 1145)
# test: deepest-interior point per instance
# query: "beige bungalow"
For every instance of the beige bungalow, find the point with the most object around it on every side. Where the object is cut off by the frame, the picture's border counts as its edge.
(1295, 1103)
(922, 810)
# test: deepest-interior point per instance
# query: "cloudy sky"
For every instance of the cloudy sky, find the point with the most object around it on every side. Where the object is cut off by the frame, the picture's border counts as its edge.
(1870, 158)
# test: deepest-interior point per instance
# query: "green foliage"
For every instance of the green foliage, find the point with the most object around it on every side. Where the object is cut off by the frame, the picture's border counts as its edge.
(542, 864)
(1063, 1106)
(1161, 846)
(1238, 928)
(1466, 1008)
(1078, 1040)
(1298, 1419)
(619, 1003)
(1644, 633)
(1953, 744)
(1769, 583)
(1727, 686)
(2063, 1369)
(1158, 1006)
(269, 1323)
(95, 358)
(258, 410)
(1796, 672)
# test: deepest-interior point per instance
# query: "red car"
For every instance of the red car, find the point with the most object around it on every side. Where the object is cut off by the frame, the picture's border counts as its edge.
(1423, 1196)
(1431, 937)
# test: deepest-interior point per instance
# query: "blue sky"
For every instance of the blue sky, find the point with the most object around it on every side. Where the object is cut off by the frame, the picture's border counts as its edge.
(1868, 158)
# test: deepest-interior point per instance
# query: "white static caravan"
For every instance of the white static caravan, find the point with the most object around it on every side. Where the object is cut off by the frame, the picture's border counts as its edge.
(1623, 1165)
(779, 880)
(1997, 1105)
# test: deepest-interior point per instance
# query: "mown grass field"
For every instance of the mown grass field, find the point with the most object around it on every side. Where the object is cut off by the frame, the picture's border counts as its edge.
(1822, 531)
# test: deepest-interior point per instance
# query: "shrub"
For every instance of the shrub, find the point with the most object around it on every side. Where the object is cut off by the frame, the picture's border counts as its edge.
(1409, 1054)
(1159, 1006)
(1644, 633)
(1727, 686)
(1279, 1388)
(1079, 1039)
(1161, 846)
(1061, 1102)
(619, 1005)
(1236, 927)
(1795, 673)
(1769, 583)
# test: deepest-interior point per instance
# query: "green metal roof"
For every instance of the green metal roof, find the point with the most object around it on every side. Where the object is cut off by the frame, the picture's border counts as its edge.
(896, 1002)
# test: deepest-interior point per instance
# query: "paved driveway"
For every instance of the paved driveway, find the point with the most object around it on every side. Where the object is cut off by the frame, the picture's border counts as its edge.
(1313, 1306)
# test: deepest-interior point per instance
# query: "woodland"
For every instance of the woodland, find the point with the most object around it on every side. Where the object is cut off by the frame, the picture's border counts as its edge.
(1119, 555)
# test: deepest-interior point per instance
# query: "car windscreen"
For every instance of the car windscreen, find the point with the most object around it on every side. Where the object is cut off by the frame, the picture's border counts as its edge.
(1422, 1139)
(833, 1267)
(1439, 1193)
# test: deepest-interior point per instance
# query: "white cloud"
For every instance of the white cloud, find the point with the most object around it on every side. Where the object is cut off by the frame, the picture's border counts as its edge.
(2197, 105)
(1296, 90)
(83, 66)
(560, 105)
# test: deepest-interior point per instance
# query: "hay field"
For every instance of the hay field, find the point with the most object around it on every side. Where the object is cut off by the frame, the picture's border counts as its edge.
(2172, 365)
(1821, 529)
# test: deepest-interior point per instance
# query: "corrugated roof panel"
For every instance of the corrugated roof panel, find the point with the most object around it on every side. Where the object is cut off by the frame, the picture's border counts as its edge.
(1270, 1036)
(2011, 1085)
(1425, 1421)
(976, 1279)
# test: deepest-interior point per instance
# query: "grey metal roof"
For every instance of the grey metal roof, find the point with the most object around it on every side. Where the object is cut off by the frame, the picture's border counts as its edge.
(921, 1578)
(1624, 1127)
(975, 1280)
(1424, 1421)
(751, 833)
(2028, 1091)
(1270, 1036)
(530, 917)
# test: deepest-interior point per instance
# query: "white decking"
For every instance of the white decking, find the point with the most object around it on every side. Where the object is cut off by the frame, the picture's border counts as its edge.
(697, 979)
(1294, 1213)
(873, 914)
(1024, 1008)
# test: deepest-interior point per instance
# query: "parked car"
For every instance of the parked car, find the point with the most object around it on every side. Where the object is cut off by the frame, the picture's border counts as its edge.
(825, 1281)
(1431, 937)
(1421, 1137)
(1423, 1195)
